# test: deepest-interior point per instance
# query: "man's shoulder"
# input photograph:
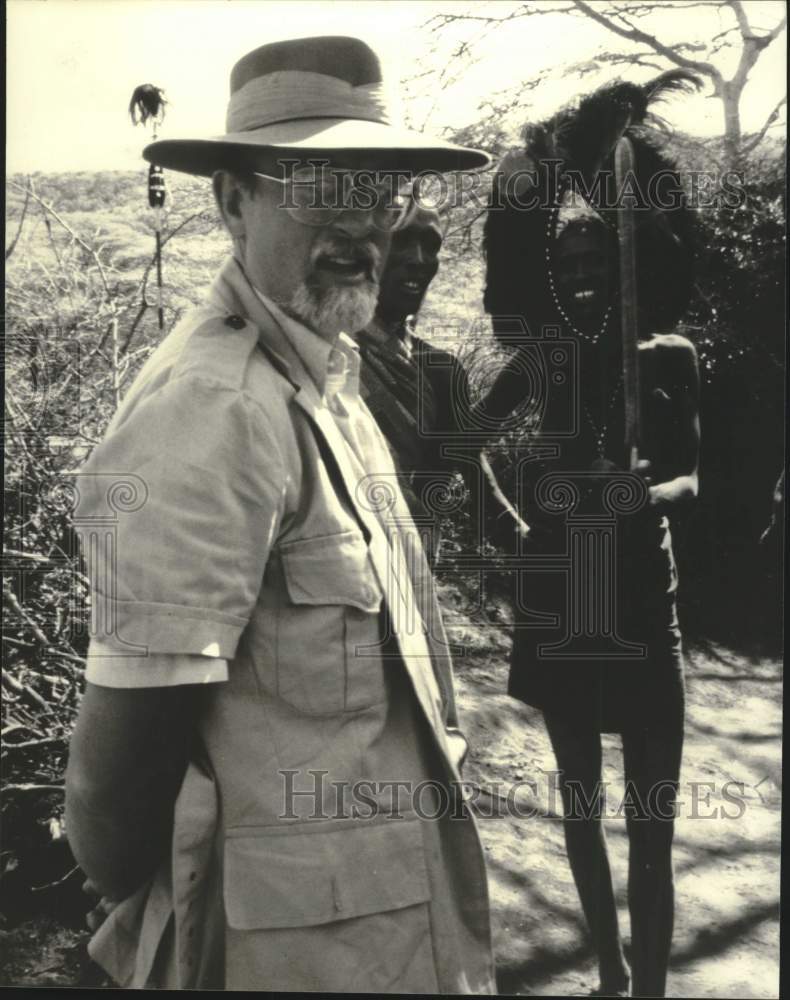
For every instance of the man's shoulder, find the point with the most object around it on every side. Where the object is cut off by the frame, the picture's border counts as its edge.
(671, 359)
(227, 349)
(669, 345)
(208, 352)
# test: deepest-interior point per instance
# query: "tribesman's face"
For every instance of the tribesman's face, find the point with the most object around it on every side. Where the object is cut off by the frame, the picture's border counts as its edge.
(411, 267)
(321, 266)
(581, 262)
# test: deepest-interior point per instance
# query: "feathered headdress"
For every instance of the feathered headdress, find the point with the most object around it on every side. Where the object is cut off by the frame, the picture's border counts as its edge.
(573, 152)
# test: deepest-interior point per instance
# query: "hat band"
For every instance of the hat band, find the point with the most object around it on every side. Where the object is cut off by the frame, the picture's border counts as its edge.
(291, 95)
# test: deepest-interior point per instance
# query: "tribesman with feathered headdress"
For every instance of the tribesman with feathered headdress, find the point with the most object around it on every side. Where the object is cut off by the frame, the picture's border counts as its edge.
(589, 268)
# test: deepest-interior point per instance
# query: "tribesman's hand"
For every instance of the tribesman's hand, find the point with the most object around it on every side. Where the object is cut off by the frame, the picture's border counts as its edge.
(668, 494)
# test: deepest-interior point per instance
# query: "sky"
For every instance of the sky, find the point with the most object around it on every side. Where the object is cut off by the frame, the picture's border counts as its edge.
(73, 64)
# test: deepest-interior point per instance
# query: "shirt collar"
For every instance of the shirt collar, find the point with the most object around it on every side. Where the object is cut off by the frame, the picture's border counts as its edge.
(330, 366)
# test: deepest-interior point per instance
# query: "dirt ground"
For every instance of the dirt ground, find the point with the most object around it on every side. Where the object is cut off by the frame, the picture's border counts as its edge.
(726, 941)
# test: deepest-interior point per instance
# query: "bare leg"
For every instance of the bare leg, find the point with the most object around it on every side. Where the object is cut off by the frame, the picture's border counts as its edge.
(578, 753)
(652, 768)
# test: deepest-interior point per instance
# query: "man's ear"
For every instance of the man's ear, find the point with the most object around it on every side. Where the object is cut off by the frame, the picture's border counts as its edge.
(228, 194)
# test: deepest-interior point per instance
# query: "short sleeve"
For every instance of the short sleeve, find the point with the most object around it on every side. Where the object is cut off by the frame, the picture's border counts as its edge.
(105, 667)
(177, 510)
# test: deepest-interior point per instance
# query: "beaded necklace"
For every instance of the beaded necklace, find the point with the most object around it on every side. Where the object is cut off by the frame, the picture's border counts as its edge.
(551, 238)
(568, 202)
(599, 430)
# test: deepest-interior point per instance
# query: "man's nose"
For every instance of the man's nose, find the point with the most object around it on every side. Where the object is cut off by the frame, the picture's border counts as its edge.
(355, 223)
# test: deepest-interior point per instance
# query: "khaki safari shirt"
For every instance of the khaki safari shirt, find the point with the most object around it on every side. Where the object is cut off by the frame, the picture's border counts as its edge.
(244, 530)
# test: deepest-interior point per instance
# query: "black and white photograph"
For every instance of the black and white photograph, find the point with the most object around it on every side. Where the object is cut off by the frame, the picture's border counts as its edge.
(394, 510)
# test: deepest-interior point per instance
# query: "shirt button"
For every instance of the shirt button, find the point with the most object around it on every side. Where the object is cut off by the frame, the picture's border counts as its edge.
(336, 363)
(235, 322)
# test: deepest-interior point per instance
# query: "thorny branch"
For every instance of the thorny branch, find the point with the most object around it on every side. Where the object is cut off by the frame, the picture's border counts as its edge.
(621, 19)
(75, 238)
(12, 245)
(770, 120)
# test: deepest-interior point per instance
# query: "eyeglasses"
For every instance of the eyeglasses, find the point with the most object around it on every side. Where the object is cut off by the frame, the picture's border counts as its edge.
(318, 196)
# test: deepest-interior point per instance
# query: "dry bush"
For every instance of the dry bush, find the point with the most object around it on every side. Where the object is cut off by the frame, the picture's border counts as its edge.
(81, 319)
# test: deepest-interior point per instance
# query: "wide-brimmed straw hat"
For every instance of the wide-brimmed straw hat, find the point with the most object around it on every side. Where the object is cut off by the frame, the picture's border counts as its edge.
(312, 98)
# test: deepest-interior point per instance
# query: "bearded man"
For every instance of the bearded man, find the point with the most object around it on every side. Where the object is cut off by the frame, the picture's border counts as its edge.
(263, 767)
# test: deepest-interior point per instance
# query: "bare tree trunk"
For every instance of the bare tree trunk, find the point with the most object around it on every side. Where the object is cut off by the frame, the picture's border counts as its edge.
(731, 97)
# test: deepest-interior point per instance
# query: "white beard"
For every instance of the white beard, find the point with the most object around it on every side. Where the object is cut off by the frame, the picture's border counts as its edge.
(336, 309)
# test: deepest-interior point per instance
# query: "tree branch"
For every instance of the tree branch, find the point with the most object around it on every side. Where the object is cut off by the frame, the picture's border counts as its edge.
(740, 16)
(774, 33)
(33, 788)
(22, 690)
(85, 246)
(635, 34)
(646, 59)
(37, 631)
(439, 21)
(29, 556)
(755, 142)
(753, 45)
(143, 285)
(12, 245)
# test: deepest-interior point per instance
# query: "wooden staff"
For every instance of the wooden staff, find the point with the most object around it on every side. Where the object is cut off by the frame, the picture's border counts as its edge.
(629, 316)
(156, 199)
(148, 104)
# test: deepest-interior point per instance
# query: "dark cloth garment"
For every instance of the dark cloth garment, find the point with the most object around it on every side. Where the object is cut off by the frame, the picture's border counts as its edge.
(398, 389)
(416, 393)
(614, 693)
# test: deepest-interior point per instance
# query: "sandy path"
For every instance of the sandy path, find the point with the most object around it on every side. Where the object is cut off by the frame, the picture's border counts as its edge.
(726, 941)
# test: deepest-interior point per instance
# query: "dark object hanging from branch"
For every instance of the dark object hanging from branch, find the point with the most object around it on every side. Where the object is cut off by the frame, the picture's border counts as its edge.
(156, 186)
(147, 102)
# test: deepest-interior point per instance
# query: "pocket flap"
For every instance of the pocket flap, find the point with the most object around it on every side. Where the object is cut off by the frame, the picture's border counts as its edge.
(318, 873)
(331, 569)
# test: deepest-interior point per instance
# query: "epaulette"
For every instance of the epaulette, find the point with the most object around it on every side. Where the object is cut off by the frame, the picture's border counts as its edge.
(221, 348)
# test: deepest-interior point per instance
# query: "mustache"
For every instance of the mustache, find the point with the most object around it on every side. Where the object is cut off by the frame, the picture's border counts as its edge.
(364, 251)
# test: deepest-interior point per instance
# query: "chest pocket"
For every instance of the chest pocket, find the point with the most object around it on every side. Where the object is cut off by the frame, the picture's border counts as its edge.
(330, 611)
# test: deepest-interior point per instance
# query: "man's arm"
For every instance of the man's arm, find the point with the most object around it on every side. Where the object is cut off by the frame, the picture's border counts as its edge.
(186, 564)
(492, 513)
(682, 484)
(127, 760)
